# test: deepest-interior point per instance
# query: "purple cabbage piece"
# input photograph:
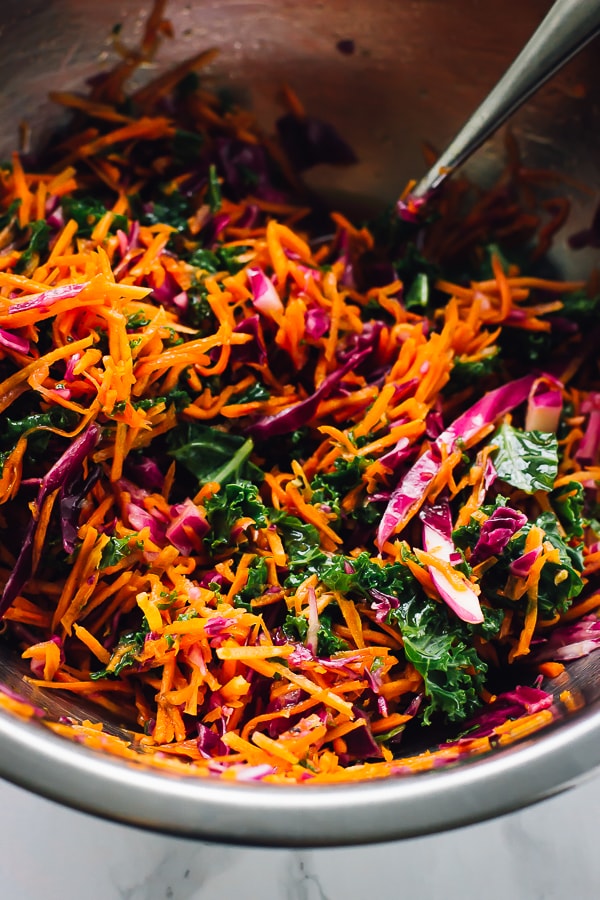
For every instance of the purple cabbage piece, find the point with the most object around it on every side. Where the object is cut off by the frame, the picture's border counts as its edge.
(544, 406)
(375, 682)
(589, 446)
(286, 701)
(212, 577)
(37, 665)
(253, 351)
(409, 208)
(43, 301)
(235, 159)
(55, 216)
(303, 655)
(215, 626)
(367, 339)
(496, 532)
(133, 235)
(434, 424)
(250, 217)
(383, 605)
(187, 518)
(138, 494)
(415, 705)
(521, 701)
(72, 494)
(13, 341)
(489, 474)
(521, 567)
(123, 242)
(140, 518)
(309, 141)
(316, 323)
(360, 743)
(459, 594)
(300, 413)
(403, 390)
(411, 490)
(63, 470)
(70, 364)
(264, 294)
(146, 472)
(209, 743)
(216, 227)
(167, 292)
(436, 516)
(398, 455)
(569, 642)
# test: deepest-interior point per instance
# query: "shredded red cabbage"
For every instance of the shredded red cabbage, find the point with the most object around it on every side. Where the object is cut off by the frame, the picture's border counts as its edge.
(496, 532)
(300, 413)
(62, 471)
(409, 493)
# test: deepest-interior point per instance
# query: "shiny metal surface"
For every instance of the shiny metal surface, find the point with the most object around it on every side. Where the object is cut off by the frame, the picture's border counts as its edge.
(417, 70)
(568, 27)
(267, 815)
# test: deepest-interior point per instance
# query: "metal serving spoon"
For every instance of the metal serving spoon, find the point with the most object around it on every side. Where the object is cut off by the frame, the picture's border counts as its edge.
(568, 26)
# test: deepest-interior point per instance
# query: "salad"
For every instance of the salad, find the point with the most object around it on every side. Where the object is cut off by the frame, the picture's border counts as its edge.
(282, 494)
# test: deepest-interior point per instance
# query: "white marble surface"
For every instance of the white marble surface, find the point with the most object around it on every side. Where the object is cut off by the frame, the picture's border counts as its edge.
(547, 852)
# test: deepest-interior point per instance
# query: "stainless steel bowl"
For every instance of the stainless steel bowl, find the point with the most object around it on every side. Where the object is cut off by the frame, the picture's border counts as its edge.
(417, 70)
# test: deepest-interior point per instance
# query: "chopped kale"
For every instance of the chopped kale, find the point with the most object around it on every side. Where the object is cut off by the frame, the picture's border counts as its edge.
(87, 212)
(232, 502)
(37, 246)
(527, 460)
(213, 455)
(125, 655)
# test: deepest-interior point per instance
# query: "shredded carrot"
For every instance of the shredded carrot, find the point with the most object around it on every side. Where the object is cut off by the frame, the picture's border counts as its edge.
(223, 432)
(551, 669)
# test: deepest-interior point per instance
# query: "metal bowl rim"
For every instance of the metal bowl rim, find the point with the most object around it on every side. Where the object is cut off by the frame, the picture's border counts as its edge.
(276, 815)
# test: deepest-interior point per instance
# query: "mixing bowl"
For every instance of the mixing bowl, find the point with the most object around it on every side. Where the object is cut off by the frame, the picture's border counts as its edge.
(390, 75)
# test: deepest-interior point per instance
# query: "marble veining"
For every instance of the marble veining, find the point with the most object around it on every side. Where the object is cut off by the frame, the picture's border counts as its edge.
(302, 881)
(547, 852)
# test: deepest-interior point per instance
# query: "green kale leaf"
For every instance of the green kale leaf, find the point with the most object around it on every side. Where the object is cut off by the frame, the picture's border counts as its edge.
(115, 550)
(296, 628)
(441, 651)
(578, 305)
(213, 194)
(418, 294)
(212, 455)
(439, 647)
(567, 502)
(527, 460)
(302, 546)
(170, 207)
(255, 586)
(220, 259)
(125, 655)
(56, 417)
(330, 488)
(87, 212)
(466, 373)
(39, 233)
(233, 502)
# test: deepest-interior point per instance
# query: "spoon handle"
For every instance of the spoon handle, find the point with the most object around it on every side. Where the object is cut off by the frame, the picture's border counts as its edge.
(568, 26)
